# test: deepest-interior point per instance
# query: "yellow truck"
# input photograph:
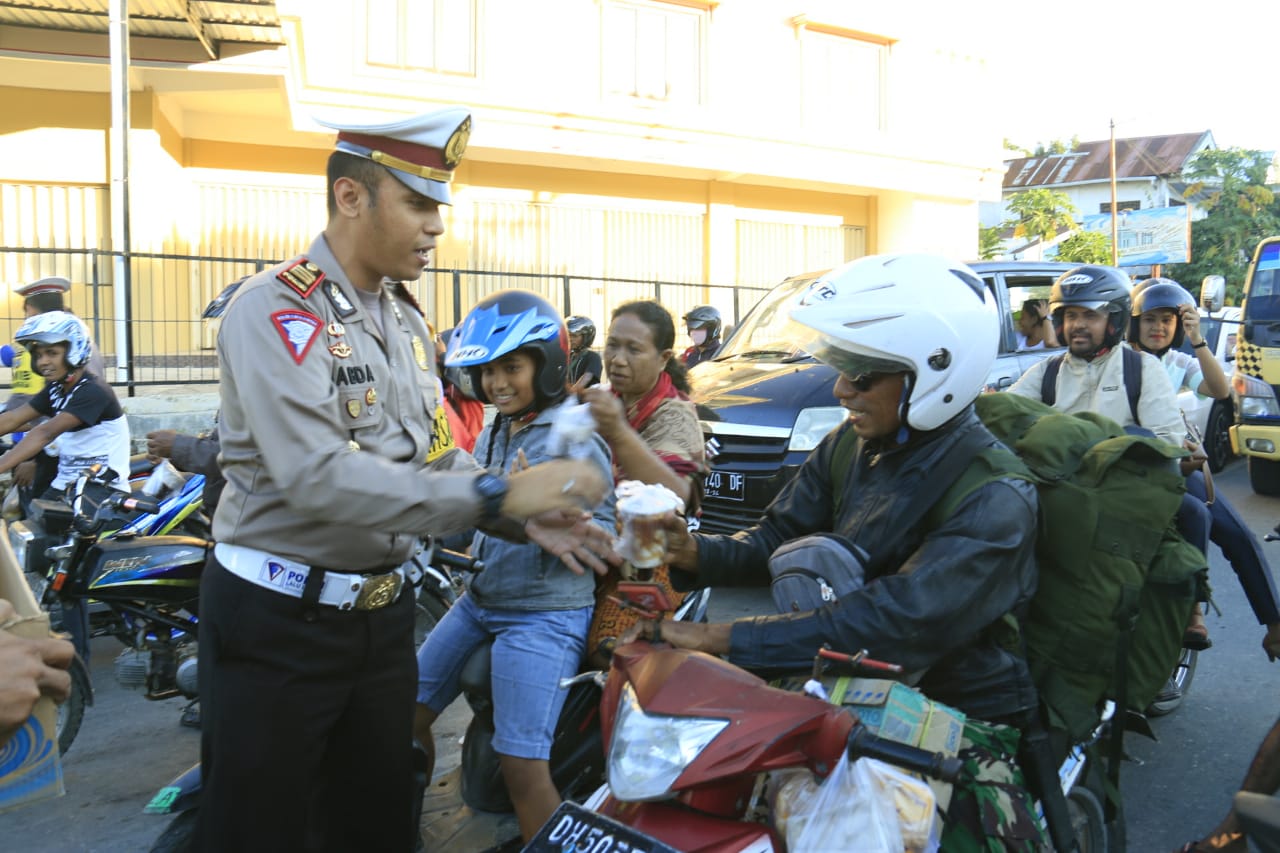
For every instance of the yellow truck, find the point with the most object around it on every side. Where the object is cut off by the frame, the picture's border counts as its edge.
(1256, 379)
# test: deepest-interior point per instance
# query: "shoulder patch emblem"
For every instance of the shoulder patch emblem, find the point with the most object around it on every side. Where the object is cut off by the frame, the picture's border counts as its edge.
(298, 330)
(303, 276)
(340, 302)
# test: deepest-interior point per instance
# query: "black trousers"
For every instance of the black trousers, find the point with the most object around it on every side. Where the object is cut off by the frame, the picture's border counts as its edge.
(307, 717)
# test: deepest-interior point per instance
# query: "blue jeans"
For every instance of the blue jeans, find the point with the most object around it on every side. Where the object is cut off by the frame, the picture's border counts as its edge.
(532, 651)
(1242, 550)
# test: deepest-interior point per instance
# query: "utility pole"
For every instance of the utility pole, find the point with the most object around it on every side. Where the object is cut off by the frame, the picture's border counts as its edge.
(121, 280)
(1115, 214)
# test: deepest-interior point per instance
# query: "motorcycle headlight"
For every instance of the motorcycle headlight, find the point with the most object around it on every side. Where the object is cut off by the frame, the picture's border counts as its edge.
(650, 751)
(812, 425)
(20, 536)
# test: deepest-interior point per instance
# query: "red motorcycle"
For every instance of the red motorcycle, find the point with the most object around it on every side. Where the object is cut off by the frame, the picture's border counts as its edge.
(690, 737)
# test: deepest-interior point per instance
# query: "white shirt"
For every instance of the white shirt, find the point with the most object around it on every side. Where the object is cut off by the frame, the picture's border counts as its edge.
(1098, 386)
(1184, 371)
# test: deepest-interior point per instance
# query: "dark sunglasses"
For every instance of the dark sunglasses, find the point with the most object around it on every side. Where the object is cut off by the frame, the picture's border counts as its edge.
(863, 381)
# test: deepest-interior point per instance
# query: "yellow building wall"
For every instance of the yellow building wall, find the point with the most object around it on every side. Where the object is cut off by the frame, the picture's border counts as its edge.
(564, 175)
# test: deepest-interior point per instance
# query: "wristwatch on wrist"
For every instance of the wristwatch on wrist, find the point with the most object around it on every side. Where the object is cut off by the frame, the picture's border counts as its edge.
(492, 491)
(1200, 345)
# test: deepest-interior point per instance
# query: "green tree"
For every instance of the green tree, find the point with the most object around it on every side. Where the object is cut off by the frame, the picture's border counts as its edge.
(1040, 214)
(1016, 148)
(1086, 247)
(990, 243)
(1230, 184)
(1057, 146)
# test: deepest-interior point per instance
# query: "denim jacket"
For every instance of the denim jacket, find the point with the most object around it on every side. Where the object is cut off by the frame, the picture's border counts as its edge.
(523, 576)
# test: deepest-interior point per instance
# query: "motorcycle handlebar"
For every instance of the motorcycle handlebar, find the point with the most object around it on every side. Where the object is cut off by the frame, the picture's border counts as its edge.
(456, 560)
(863, 744)
(140, 503)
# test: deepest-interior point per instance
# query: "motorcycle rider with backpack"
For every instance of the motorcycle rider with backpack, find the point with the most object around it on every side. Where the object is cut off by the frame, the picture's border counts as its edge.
(913, 337)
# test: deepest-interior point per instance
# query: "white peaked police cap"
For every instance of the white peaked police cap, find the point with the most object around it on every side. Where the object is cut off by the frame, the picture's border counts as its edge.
(421, 151)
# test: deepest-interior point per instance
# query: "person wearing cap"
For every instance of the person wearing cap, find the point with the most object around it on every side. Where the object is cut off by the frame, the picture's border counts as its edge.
(338, 457)
(39, 297)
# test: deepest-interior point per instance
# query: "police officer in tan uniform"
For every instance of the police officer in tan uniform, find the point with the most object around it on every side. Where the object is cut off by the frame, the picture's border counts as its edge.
(337, 457)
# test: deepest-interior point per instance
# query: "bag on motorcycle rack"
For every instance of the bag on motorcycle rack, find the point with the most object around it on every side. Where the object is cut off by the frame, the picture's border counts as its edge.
(1117, 580)
(814, 571)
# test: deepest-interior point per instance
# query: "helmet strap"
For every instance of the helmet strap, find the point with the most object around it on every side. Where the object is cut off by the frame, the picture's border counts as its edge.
(903, 432)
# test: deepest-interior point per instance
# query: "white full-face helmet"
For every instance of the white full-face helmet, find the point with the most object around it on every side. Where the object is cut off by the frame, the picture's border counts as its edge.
(922, 314)
(58, 327)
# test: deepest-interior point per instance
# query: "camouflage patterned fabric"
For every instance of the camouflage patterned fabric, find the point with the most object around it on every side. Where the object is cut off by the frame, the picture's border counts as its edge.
(992, 813)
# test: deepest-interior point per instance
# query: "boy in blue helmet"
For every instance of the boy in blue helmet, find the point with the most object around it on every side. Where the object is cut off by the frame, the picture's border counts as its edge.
(536, 612)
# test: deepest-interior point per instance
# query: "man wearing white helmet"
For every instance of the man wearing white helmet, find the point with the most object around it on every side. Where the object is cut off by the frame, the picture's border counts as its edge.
(913, 337)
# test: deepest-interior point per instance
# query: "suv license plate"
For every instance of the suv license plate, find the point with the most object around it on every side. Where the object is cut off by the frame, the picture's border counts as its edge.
(726, 485)
(574, 828)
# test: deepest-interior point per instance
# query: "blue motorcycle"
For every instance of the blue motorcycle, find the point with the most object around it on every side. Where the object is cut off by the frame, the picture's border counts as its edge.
(95, 546)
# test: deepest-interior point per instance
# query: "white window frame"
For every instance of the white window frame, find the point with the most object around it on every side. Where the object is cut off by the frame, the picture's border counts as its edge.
(697, 11)
(810, 33)
(440, 30)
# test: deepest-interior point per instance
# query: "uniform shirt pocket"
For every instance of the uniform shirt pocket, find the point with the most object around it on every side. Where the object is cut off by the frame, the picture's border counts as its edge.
(360, 406)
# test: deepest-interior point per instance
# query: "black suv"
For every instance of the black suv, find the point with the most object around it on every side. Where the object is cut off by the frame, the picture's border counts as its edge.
(764, 404)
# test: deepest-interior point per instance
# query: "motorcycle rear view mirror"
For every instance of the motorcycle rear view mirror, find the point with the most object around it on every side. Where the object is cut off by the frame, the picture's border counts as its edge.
(1213, 292)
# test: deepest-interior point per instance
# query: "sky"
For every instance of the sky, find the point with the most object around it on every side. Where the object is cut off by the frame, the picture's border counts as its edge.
(1067, 69)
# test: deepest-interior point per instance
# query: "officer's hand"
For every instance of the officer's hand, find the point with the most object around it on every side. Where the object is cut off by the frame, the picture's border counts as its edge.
(160, 443)
(572, 484)
(607, 411)
(570, 535)
(1271, 641)
(29, 669)
(25, 473)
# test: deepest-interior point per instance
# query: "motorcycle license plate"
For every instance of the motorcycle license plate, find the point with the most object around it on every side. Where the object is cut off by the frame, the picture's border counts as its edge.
(574, 828)
(727, 485)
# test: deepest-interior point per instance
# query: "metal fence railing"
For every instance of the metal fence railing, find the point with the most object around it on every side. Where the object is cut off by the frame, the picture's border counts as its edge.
(161, 339)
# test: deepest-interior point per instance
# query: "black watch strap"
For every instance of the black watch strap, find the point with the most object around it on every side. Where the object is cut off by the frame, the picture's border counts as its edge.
(492, 491)
(1200, 345)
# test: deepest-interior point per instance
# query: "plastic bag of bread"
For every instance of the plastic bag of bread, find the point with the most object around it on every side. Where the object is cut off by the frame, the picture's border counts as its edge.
(851, 809)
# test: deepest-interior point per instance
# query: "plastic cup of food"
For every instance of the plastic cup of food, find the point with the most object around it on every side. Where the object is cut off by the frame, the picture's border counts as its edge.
(641, 510)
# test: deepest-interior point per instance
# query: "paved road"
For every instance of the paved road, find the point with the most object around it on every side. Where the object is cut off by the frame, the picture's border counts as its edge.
(129, 747)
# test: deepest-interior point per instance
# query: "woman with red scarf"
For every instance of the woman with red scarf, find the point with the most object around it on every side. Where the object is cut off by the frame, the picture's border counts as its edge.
(651, 426)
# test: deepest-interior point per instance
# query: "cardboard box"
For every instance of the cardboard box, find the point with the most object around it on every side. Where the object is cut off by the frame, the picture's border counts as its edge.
(30, 766)
(895, 711)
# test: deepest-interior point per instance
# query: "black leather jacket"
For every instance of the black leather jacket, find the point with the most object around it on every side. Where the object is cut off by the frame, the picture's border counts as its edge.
(931, 602)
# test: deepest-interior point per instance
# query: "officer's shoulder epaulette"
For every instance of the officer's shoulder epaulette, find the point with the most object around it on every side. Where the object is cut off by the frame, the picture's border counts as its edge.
(398, 289)
(303, 276)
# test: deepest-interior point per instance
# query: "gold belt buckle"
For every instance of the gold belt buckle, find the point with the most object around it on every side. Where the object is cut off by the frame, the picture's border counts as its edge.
(379, 591)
